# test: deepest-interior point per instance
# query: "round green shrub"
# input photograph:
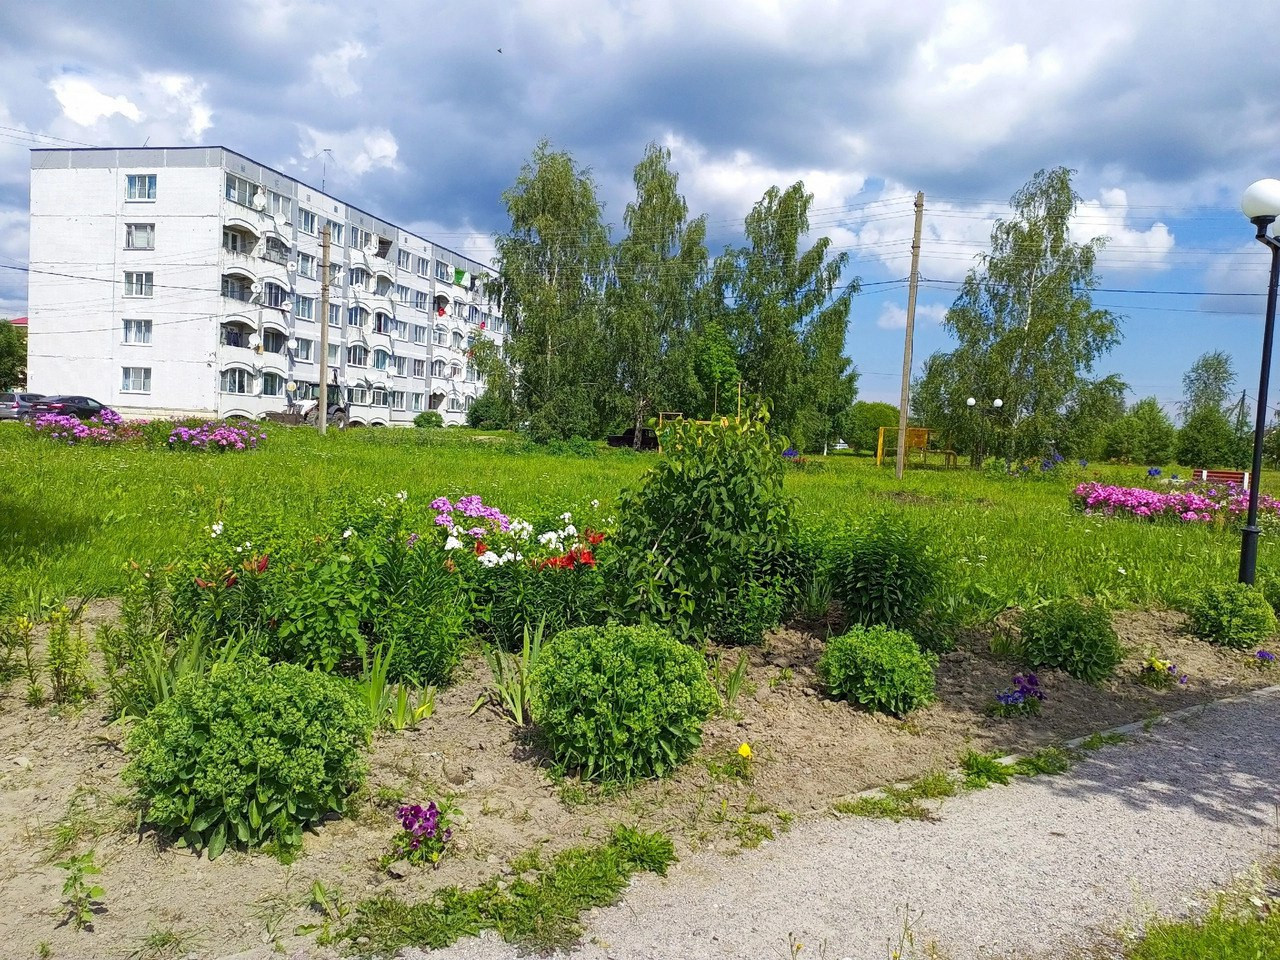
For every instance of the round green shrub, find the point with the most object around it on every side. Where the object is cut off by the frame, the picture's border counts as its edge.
(884, 573)
(1071, 636)
(249, 754)
(429, 419)
(880, 668)
(1234, 615)
(620, 703)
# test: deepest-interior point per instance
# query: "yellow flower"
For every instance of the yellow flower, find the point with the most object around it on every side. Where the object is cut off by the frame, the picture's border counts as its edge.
(744, 751)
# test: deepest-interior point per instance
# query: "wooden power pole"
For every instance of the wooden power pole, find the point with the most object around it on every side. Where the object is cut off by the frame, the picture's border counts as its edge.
(905, 400)
(322, 403)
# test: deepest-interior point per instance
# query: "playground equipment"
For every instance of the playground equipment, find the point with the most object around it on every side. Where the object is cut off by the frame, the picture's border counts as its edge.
(917, 442)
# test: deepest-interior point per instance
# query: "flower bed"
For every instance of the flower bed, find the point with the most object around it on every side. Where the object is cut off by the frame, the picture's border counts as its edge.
(108, 427)
(1200, 504)
(216, 435)
(71, 430)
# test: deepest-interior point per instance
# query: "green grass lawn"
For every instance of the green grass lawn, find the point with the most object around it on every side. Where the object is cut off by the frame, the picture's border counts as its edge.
(71, 517)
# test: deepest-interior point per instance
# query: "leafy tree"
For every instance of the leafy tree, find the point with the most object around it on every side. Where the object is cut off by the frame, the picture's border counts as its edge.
(1208, 383)
(860, 427)
(13, 355)
(658, 267)
(552, 265)
(1025, 325)
(1208, 439)
(789, 316)
(715, 368)
(1145, 434)
(1095, 407)
(489, 412)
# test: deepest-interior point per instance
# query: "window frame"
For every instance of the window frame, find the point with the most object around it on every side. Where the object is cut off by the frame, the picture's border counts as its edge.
(125, 378)
(129, 233)
(148, 280)
(128, 325)
(130, 187)
(305, 215)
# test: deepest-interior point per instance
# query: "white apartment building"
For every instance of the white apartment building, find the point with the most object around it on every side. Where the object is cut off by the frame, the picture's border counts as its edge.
(186, 281)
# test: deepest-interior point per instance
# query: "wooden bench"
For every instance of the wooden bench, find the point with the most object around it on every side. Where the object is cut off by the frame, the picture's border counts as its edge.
(1238, 477)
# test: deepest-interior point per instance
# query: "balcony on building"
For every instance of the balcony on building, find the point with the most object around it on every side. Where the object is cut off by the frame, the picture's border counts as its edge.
(237, 284)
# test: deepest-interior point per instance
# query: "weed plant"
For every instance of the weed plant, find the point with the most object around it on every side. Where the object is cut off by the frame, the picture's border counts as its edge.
(81, 896)
(1234, 615)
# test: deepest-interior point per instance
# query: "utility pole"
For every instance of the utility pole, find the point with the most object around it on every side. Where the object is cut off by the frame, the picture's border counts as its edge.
(901, 460)
(322, 403)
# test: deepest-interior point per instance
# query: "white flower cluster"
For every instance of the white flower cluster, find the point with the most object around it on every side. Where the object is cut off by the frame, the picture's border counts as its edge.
(494, 559)
(453, 543)
(521, 529)
(216, 529)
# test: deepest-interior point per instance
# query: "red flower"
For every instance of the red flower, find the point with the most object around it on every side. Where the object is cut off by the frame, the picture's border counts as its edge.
(594, 537)
(585, 556)
(203, 583)
(481, 549)
(232, 580)
(262, 564)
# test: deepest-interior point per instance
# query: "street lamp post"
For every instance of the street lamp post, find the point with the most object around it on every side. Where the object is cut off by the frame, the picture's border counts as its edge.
(996, 404)
(1261, 204)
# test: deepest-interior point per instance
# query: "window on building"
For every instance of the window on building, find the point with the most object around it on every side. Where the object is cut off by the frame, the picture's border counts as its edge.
(415, 402)
(306, 349)
(455, 405)
(237, 381)
(401, 293)
(140, 186)
(274, 295)
(138, 284)
(466, 403)
(333, 354)
(137, 331)
(306, 391)
(275, 250)
(444, 271)
(236, 288)
(404, 259)
(380, 358)
(306, 221)
(357, 316)
(379, 397)
(307, 265)
(282, 207)
(473, 315)
(335, 275)
(357, 395)
(240, 190)
(424, 267)
(459, 309)
(471, 374)
(304, 308)
(420, 300)
(457, 341)
(440, 336)
(357, 356)
(272, 385)
(233, 241)
(455, 371)
(419, 333)
(397, 400)
(419, 368)
(359, 238)
(402, 365)
(335, 315)
(437, 368)
(383, 324)
(359, 277)
(136, 380)
(335, 232)
(140, 236)
(273, 341)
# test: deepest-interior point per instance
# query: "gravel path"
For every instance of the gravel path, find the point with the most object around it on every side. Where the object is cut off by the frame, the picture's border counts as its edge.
(1029, 867)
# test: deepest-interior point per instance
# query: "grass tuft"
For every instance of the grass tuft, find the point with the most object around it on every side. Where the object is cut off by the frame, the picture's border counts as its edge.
(981, 770)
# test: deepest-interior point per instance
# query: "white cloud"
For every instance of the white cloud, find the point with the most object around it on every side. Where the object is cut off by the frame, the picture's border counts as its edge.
(355, 152)
(182, 98)
(82, 103)
(1127, 248)
(893, 316)
(461, 238)
(332, 69)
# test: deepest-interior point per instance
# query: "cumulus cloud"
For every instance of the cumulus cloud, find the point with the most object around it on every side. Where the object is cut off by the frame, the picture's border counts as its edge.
(84, 104)
(332, 68)
(356, 152)
(893, 316)
(181, 98)
(1128, 248)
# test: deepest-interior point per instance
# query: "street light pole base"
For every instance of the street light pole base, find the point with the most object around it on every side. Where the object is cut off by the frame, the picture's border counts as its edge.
(1249, 554)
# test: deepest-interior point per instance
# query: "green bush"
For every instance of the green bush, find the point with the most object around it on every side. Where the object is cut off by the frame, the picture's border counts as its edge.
(429, 419)
(620, 703)
(1071, 636)
(1232, 614)
(248, 755)
(885, 573)
(879, 668)
(489, 412)
(704, 525)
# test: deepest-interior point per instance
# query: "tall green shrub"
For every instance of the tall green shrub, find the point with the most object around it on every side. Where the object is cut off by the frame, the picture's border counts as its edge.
(1233, 615)
(1071, 636)
(885, 573)
(620, 703)
(879, 668)
(705, 525)
(249, 754)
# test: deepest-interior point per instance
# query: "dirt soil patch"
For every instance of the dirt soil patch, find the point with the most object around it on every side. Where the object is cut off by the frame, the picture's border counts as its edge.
(60, 790)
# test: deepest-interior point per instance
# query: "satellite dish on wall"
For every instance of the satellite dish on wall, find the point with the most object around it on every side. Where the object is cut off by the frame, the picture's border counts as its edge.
(293, 343)
(291, 387)
(292, 266)
(259, 200)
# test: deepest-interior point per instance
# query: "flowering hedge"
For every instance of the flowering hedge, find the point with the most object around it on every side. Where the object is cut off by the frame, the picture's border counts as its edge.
(1202, 504)
(72, 430)
(215, 435)
(108, 427)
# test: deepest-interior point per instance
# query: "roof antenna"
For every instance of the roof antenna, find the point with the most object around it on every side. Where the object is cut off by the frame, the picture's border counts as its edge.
(324, 164)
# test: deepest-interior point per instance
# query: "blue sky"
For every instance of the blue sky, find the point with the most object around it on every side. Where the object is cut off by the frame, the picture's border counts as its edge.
(1164, 109)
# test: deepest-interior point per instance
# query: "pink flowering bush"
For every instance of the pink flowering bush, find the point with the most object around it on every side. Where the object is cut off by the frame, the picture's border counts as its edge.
(215, 435)
(1192, 504)
(71, 430)
(108, 427)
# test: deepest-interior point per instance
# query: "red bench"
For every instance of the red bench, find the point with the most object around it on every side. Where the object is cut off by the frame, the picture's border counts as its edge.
(1238, 477)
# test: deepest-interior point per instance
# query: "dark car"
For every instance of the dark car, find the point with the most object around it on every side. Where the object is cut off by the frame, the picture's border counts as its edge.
(16, 405)
(71, 406)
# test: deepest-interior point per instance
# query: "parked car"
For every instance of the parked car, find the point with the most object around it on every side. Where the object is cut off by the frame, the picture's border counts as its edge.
(72, 406)
(17, 406)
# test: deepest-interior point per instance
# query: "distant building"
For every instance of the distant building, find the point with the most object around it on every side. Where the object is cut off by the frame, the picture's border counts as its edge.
(187, 281)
